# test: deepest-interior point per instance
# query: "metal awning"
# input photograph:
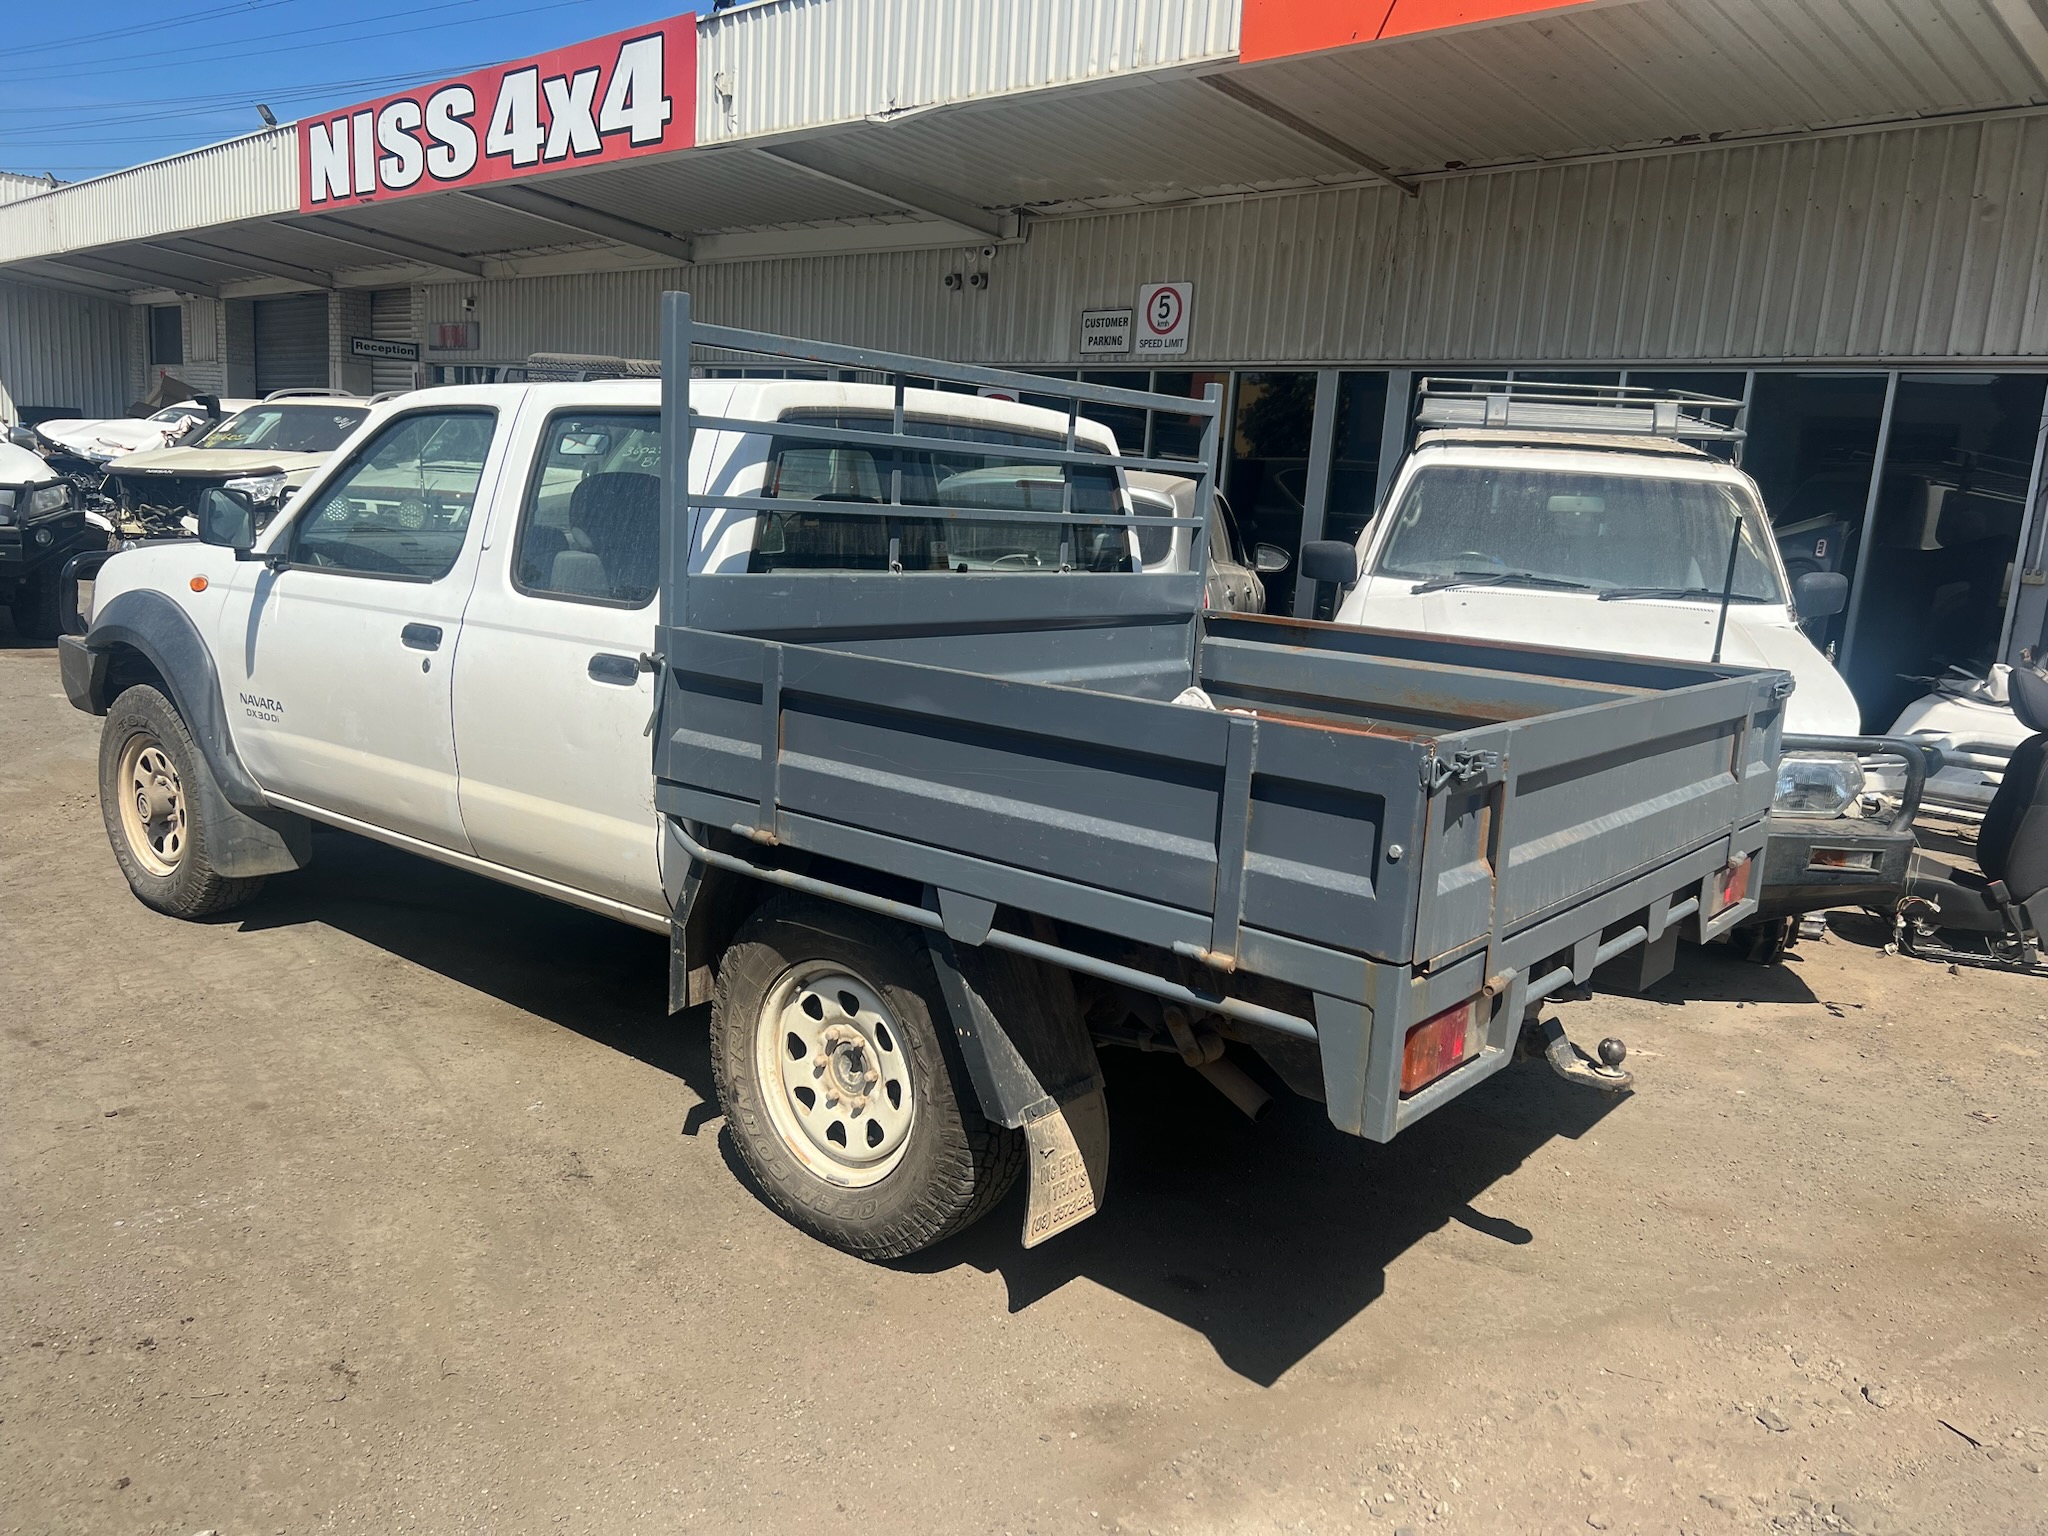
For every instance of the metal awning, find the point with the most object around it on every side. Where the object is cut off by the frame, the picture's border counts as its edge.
(807, 144)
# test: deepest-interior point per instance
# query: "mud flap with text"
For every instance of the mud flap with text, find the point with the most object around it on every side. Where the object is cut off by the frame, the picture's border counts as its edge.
(1029, 1052)
(1069, 1146)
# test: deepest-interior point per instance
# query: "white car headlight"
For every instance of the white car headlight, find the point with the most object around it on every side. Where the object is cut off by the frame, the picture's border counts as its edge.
(259, 488)
(45, 499)
(1817, 784)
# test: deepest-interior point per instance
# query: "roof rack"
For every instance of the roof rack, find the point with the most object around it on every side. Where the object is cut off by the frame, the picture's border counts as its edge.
(311, 394)
(582, 368)
(1619, 410)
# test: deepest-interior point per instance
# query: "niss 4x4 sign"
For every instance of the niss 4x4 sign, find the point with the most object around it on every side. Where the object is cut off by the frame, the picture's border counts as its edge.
(612, 98)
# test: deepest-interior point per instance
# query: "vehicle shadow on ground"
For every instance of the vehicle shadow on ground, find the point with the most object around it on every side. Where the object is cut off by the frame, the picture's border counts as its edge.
(1716, 974)
(1265, 1239)
(599, 978)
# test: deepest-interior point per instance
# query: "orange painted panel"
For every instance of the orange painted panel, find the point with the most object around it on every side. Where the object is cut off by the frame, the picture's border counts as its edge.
(1273, 29)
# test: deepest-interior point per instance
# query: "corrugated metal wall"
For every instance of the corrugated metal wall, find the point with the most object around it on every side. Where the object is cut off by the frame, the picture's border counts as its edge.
(1926, 243)
(14, 186)
(247, 178)
(61, 349)
(805, 63)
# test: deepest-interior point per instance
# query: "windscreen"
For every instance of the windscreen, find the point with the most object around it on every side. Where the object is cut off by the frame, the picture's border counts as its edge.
(1605, 532)
(287, 428)
(980, 475)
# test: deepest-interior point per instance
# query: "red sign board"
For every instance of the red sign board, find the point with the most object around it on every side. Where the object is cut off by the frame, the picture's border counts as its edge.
(633, 93)
(1273, 29)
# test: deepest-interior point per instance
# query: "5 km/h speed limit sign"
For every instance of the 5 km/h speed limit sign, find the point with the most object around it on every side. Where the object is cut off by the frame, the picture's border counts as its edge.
(1163, 314)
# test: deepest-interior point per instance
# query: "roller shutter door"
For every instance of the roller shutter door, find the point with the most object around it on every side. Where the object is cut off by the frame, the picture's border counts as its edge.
(291, 343)
(391, 320)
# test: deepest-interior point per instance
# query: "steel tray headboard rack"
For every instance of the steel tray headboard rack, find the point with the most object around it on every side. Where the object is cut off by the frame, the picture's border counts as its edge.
(867, 607)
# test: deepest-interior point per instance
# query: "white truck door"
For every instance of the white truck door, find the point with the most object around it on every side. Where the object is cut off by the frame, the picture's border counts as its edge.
(335, 651)
(551, 703)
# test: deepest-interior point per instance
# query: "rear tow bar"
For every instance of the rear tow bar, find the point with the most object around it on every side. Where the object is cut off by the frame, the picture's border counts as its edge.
(1546, 1037)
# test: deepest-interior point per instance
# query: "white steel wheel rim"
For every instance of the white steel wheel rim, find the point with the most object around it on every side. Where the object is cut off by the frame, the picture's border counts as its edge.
(152, 805)
(834, 1074)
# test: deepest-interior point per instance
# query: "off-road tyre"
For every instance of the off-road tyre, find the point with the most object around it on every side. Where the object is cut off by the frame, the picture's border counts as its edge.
(34, 607)
(187, 885)
(1765, 943)
(955, 1164)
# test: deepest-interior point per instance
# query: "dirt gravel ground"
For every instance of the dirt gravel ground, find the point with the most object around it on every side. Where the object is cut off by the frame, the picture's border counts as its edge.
(395, 1203)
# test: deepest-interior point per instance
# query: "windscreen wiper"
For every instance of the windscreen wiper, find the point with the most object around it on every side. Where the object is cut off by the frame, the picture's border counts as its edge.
(1712, 594)
(1495, 579)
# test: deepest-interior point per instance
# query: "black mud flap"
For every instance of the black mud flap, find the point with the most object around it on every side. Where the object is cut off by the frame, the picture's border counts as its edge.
(1032, 1059)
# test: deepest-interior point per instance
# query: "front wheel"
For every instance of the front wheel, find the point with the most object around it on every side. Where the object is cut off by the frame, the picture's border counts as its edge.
(34, 608)
(151, 781)
(1765, 943)
(849, 1104)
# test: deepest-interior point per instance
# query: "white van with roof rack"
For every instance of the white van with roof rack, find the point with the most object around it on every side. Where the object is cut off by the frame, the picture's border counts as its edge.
(1595, 517)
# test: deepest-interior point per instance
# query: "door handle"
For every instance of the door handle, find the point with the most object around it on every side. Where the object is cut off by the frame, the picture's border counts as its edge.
(607, 667)
(421, 637)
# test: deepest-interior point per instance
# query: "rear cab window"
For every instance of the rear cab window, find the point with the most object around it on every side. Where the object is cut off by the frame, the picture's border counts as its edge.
(978, 476)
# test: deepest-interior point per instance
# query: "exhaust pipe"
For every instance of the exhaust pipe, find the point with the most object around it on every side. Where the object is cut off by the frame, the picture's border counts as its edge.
(1204, 1052)
(1231, 1080)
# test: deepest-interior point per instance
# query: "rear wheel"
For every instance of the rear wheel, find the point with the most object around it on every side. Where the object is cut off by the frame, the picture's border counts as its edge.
(850, 1106)
(151, 777)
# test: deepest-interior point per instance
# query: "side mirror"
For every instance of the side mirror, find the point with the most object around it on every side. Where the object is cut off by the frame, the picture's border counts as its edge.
(227, 519)
(1270, 559)
(1330, 560)
(1820, 594)
(22, 437)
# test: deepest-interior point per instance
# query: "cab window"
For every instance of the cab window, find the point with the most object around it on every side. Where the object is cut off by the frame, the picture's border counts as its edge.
(402, 506)
(590, 531)
(980, 475)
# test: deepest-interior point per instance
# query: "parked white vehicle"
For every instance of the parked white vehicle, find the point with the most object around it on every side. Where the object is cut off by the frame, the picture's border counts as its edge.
(632, 645)
(100, 440)
(1970, 721)
(1587, 519)
(343, 696)
(1621, 546)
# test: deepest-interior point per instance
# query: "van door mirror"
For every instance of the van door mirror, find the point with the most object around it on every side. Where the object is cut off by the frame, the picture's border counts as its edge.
(1330, 560)
(1270, 559)
(227, 519)
(1820, 594)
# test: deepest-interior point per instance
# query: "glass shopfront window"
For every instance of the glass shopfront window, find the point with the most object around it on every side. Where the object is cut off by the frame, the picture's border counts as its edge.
(1354, 485)
(1272, 428)
(1812, 441)
(1944, 535)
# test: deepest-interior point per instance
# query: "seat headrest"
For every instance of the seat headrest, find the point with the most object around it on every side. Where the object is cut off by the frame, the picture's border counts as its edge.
(613, 496)
(580, 572)
(2028, 690)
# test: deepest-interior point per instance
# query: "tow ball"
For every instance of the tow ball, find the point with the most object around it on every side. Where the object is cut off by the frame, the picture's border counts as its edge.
(1546, 1037)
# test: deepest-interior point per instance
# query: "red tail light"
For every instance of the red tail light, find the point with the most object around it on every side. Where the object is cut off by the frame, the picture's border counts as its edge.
(1439, 1044)
(1734, 883)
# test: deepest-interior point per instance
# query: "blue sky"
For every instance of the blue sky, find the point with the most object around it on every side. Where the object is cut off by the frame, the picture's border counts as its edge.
(110, 84)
